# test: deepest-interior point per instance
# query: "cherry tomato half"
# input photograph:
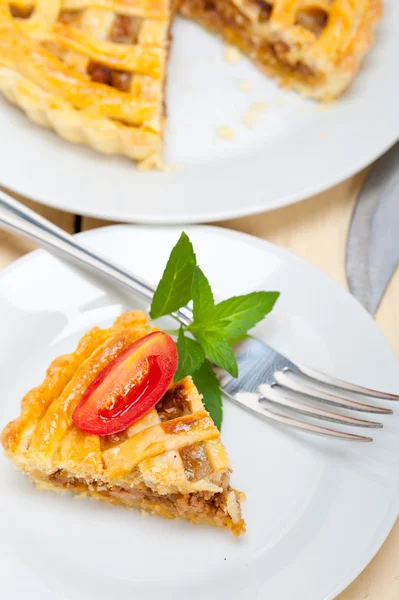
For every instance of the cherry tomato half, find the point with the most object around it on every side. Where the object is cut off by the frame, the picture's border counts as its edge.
(129, 386)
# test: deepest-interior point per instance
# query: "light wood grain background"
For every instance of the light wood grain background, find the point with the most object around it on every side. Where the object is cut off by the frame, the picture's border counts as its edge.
(316, 230)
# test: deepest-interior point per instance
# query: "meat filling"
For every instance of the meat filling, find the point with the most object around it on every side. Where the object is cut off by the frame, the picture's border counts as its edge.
(195, 460)
(173, 404)
(101, 74)
(200, 503)
(125, 30)
(224, 17)
(265, 10)
(314, 19)
(69, 17)
(21, 12)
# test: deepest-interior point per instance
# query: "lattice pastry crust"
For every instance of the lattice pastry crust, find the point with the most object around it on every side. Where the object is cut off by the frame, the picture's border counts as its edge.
(170, 463)
(92, 70)
(313, 46)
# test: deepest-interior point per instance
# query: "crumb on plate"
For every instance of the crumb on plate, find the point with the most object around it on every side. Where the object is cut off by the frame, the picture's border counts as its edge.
(225, 133)
(253, 114)
(258, 107)
(250, 119)
(232, 54)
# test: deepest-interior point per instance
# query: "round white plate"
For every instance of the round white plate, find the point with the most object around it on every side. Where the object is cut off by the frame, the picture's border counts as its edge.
(297, 149)
(317, 510)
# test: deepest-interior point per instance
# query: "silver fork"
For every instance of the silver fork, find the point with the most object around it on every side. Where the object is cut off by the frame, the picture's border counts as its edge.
(266, 378)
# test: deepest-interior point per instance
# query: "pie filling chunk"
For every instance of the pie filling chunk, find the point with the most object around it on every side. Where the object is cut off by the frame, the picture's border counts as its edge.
(170, 462)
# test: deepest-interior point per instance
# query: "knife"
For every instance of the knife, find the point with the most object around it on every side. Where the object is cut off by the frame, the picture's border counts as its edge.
(372, 253)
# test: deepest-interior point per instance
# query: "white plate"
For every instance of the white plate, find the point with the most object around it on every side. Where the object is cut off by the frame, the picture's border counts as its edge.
(317, 510)
(297, 150)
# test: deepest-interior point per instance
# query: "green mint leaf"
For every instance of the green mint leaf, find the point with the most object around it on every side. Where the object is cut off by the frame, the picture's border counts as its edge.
(214, 328)
(203, 302)
(191, 356)
(207, 384)
(240, 313)
(218, 350)
(237, 339)
(174, 289)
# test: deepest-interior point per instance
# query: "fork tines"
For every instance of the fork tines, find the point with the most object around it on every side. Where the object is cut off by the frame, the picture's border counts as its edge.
(301, 390)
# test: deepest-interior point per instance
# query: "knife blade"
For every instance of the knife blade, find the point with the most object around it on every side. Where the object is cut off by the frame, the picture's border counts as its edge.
(372, 253)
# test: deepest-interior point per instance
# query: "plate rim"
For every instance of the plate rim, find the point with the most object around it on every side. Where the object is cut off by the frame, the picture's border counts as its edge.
(132, 218)
(383, 533)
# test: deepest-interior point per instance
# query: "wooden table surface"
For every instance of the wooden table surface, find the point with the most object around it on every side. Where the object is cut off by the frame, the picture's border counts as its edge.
(316, 230)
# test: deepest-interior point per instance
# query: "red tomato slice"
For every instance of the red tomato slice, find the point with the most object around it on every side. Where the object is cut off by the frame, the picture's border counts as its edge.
(129, 386)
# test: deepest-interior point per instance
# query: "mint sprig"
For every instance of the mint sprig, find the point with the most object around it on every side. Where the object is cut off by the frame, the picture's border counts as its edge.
(215, 326)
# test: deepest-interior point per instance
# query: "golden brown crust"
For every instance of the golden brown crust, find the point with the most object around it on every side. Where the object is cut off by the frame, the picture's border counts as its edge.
(156, 454)
(313, 46)
(45, 63)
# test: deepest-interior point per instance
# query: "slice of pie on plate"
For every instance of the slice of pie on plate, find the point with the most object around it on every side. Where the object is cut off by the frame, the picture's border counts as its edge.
(92, 71)
(170, 462)
(313, 46)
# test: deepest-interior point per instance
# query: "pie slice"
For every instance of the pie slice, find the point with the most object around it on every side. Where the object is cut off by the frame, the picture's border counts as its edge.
(94, 71)
(170, 463)
(313, 46)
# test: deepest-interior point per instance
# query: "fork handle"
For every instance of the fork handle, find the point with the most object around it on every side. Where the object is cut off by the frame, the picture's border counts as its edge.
(18, 218)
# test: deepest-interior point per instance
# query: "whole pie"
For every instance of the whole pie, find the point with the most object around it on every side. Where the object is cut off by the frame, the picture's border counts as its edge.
(170, 462)
(95, 70)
